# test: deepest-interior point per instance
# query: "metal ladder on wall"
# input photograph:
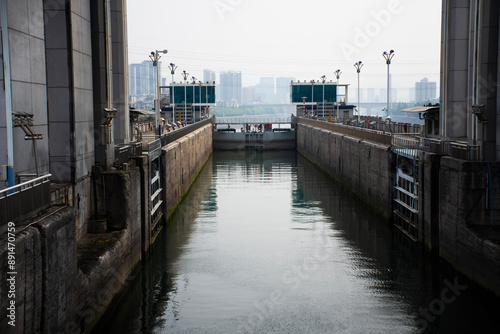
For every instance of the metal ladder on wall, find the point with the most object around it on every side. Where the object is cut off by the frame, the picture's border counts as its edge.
(406, 199)
(154, 150)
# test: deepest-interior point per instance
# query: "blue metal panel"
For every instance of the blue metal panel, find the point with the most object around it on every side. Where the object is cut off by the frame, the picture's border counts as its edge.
(307, 90)
(191, 93)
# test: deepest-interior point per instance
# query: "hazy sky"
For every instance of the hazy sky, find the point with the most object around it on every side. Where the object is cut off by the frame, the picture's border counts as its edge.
(301, 39)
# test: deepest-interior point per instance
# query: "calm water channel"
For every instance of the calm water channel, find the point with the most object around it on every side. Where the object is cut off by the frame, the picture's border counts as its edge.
(265, 243)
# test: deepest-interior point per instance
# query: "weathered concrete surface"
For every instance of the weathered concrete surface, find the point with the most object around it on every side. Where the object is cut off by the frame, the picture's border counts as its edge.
(228, 141)
(429, 200)
(67, 286)
(28, 283)
(59, 259)
(146, 237)
(363, 167)
(469, 238)
(106, 260)
(183, 160)
(46, 271)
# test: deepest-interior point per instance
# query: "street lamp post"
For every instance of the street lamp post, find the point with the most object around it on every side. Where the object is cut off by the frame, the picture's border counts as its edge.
(200, 83)
(185, 75)
(312, 97)
(155, 56)
(358, 66)
(323, 78)
(193, 107)
(388, 57)
(304, 102)
(206, 94)
(172, 68)
(337, 75)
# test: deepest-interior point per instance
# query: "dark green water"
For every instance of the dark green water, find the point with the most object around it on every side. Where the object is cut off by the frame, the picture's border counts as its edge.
(265, 243)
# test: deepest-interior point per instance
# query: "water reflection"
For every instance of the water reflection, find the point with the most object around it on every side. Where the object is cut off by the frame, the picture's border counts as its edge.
(265, 243)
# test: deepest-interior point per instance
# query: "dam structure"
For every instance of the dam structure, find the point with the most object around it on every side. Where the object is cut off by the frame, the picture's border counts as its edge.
(86, 187)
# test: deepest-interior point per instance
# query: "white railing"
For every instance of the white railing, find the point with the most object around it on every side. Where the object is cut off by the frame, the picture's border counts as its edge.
(413, 143)
(24, 186)
(252, 120)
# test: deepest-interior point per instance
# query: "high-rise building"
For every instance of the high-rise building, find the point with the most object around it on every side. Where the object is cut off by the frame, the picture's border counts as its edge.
(370, 95)
(134, 75)
(230, 88)
(283, 89)
(265, 89)
(425, 91)
(382, 96)
(249, 95)
(394, 95)
(142, 78)
(208, 76)
(412, 94)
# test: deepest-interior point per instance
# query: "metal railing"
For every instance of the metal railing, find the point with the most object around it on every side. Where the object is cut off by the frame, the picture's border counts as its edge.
(24, 198)
(460, 150)
(172, 136)
(252, 120)
(363, 133)
(464, 151)
(407, 144)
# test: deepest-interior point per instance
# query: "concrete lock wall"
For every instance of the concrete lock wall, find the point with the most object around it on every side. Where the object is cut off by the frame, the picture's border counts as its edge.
(46, 268)
(469, 213)
(429, 165)
(106, 260)
(66, 284)
(363, 167)
(183, 159)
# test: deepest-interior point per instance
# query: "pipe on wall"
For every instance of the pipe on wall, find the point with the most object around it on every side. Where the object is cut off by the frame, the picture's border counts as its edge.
(445, 69)
(8, 93)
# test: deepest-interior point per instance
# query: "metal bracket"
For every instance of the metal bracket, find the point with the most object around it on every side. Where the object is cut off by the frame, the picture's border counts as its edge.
(478, 110)
(25, 122)
(109, 114)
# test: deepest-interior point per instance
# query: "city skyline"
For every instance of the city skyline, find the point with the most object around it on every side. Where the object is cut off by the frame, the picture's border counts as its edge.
(286, 39)
(261, 92)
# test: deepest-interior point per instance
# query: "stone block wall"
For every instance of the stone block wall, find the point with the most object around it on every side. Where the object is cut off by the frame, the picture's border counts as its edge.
(183, 160)
(363, 167)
